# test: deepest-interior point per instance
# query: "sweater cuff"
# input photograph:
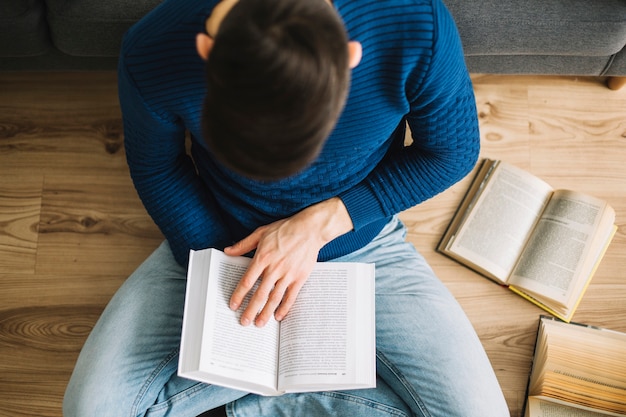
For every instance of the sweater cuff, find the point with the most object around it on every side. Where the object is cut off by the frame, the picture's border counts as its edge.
(362, 204)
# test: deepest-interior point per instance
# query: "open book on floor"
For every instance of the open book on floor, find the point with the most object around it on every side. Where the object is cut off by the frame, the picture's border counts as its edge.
(326, 342)
(515, 229)
(577, 370)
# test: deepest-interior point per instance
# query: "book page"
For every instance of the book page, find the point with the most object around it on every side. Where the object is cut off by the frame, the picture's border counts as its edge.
(231, 350)
(559, 249)
(495, 232)
(540, 408)
(322, 331)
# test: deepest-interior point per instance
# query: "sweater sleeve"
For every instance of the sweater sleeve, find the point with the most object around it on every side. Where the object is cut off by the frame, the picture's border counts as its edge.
(164, 175)
(444, 129)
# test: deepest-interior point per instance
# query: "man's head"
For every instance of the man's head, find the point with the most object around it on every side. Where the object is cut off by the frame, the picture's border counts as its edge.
(277, 75)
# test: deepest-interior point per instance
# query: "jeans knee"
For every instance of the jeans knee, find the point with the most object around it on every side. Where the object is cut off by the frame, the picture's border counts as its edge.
(71, 403)
(86, 397)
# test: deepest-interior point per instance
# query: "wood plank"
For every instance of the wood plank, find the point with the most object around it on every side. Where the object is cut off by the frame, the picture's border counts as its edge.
(503, 117)
(39, 346)
(60, 123)
(93, 225)
(20, 205)
(569, 132)
(44, 321)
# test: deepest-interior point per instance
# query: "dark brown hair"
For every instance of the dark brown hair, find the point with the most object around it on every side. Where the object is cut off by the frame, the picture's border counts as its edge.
(277, 80)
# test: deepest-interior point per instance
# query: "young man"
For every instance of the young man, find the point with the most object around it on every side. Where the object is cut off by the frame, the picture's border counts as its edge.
(296, 111)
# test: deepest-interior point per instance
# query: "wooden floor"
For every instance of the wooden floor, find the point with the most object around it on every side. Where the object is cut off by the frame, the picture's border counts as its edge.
(72, 228)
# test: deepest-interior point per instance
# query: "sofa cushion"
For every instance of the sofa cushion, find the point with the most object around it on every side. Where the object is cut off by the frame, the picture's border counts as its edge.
(618, 65)
(100, 23)
(541, 27)
(23, 28)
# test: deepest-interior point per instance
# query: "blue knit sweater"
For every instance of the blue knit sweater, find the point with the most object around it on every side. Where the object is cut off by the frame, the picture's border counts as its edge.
(412, 71)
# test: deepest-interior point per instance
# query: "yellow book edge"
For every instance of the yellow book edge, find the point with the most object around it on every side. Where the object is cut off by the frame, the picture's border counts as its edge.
(536, 302)
(568, 317)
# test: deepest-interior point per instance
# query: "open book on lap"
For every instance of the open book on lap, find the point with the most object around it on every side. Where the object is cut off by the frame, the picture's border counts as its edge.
(326, 342)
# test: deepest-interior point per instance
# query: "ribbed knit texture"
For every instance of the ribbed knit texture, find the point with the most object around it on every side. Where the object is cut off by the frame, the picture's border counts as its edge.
(412, 71)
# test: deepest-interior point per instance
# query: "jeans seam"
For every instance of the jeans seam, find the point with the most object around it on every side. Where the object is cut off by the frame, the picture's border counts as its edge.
(368, 402)
(157, 370)
(400, 378)
(186, 394)
(231, 408)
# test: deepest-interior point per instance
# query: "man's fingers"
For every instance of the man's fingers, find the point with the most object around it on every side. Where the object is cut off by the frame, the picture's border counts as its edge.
(271, 298)
(263, 299)
(289, 298)
(244, 286)
(272, 301)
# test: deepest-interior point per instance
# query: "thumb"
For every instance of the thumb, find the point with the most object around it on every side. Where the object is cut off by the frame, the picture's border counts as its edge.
(245, 245)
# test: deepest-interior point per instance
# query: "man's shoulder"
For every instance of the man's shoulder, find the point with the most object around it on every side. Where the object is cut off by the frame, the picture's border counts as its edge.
(387, 19)
(158, 59)
(168, 31)
(389, 8)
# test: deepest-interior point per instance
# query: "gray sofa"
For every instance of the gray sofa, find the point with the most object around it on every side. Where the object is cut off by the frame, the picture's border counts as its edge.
(564, 37)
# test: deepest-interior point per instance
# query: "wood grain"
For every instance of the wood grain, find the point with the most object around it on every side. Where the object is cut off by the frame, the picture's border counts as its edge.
(84, 217)
(60, 123)
(72, 227)
(20, 208)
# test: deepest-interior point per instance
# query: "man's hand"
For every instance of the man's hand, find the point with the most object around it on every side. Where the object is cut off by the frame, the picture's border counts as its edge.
(286, 252)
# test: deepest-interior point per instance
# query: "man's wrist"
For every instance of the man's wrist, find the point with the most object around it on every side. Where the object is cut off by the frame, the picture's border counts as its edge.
(333, 218)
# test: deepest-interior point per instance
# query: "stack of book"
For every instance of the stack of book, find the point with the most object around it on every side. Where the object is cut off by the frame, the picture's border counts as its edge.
(578, 371)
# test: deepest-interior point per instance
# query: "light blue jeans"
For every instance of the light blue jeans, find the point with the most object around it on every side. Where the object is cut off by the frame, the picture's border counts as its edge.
(429, 360)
